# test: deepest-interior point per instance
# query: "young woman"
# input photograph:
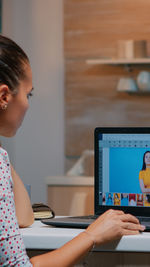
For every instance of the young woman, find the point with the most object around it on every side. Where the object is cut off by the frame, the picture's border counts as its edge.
(15, 90)
(144, 175)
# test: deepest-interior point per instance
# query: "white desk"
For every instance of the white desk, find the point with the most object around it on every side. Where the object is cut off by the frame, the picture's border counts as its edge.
(40, 236)
(129, 251)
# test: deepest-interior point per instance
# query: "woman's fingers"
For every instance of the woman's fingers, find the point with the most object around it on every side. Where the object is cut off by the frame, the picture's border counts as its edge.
(129, 218)
(124, 217)
(133, 226)
(127, 232)
(112, 225)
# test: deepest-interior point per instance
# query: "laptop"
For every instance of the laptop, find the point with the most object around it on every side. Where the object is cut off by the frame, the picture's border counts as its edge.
(120, 169)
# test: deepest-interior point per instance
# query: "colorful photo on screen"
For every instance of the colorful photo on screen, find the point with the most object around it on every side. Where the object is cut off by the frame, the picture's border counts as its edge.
(109, 199)
(132, 199)
(117, 199)
(126, 173)
(139, 200)
(124, 199)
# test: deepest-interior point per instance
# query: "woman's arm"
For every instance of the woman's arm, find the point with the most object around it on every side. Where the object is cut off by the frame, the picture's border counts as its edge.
(142, 186)
(24, 212)
(111, 225)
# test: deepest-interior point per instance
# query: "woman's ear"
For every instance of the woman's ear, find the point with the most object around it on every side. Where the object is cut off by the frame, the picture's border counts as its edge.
(5, 95)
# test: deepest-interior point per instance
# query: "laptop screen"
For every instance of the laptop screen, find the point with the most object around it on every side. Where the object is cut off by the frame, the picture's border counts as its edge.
(122, 169)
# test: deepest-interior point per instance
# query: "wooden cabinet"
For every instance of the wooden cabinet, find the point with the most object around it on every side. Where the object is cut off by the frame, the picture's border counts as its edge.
(71, 195)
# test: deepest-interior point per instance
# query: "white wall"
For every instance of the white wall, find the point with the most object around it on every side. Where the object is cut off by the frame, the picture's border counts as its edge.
(38, 148)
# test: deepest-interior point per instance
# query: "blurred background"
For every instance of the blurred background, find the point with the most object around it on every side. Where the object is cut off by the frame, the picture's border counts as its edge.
(74, 94)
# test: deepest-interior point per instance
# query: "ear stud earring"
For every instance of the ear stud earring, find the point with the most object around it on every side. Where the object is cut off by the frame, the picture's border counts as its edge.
(4, 107)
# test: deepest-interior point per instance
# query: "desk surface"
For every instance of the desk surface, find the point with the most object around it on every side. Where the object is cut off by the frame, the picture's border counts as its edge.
(40, 236)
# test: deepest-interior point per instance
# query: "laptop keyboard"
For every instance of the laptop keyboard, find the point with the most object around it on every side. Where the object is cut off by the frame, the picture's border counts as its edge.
(86, 217)
(143, 219)
(94, 217)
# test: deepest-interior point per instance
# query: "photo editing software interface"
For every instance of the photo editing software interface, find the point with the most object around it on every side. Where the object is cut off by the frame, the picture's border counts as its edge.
(124, 169)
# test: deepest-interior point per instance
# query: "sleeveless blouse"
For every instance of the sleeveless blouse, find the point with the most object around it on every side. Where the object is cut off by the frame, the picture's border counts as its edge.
(12, 249)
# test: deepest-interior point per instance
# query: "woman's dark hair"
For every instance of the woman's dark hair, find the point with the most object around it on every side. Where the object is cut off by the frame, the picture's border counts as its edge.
(144, 164)
(12, 63)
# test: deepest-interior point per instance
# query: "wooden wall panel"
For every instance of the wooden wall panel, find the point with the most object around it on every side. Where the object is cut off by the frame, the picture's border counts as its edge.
(92, 29)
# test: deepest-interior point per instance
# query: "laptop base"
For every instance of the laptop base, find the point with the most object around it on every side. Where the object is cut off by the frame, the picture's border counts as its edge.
(85, 221)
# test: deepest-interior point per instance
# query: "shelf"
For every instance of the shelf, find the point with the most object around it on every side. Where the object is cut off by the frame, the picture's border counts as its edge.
(112, 61)
(69, 180)
(140, 93)
(127, 64)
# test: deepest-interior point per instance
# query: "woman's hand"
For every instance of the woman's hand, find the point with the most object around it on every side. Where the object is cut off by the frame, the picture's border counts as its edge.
(144, 189)
(112, 225)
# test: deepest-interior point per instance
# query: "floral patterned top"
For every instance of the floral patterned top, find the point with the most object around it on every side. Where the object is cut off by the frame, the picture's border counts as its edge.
(12, 249)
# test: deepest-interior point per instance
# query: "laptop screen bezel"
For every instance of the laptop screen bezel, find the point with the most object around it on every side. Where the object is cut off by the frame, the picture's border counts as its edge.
(99, 209)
